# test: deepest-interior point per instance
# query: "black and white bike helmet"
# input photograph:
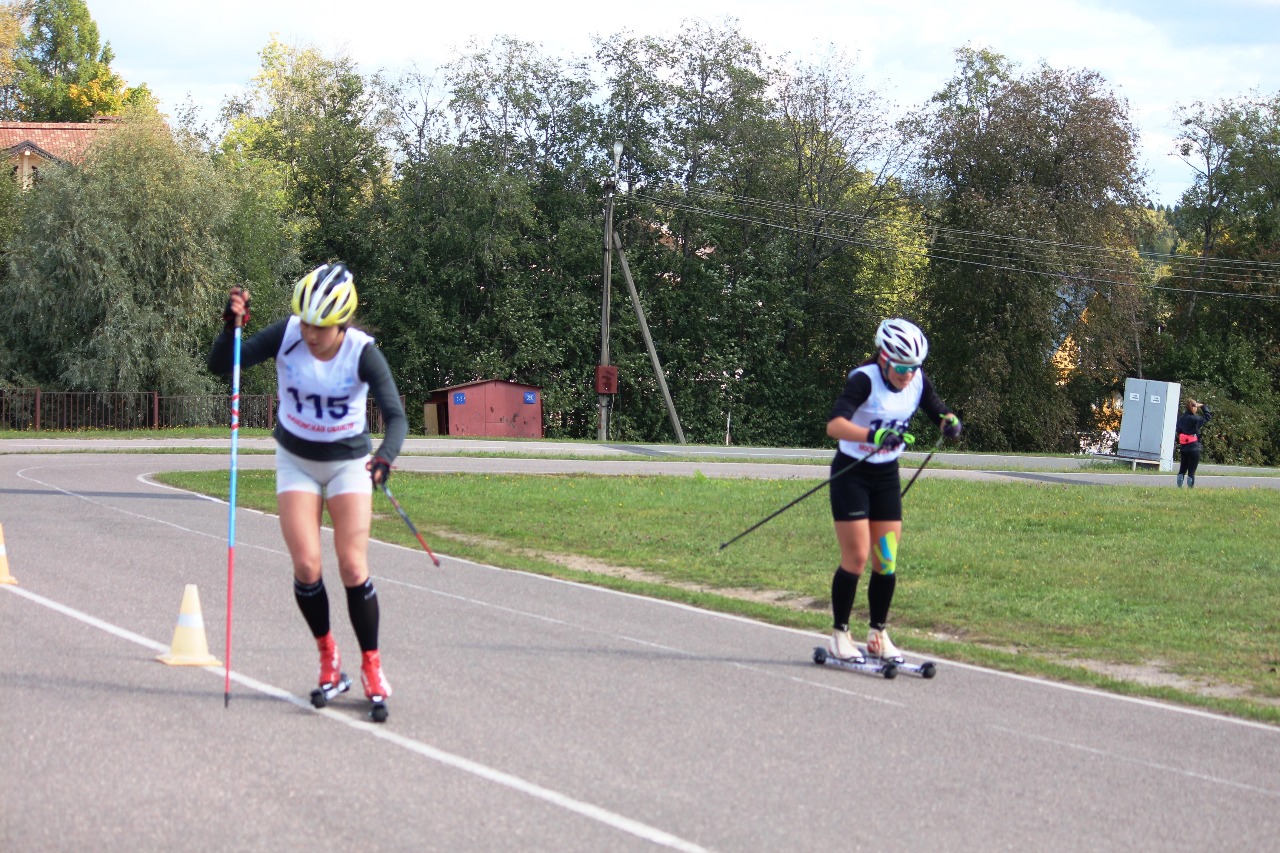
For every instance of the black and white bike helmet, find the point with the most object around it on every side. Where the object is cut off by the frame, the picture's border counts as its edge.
(902, 341)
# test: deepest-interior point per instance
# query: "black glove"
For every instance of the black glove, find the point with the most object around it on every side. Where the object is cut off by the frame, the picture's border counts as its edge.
(229, 316)
(951, 426)
(886, 438)
(379, 470)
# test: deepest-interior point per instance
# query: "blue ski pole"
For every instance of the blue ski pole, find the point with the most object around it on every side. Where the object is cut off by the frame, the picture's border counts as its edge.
(231, 512)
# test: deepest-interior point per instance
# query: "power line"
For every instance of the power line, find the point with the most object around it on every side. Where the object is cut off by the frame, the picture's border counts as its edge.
(1078, 263)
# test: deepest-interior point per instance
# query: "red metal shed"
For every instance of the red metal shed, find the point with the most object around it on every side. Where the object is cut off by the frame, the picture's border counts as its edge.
(489, 407)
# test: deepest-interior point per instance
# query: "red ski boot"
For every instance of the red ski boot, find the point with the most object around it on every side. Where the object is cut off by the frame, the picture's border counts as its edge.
(333, 680)
(376, 687)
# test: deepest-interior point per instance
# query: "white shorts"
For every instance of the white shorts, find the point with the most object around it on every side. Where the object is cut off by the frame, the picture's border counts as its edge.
(339, 477)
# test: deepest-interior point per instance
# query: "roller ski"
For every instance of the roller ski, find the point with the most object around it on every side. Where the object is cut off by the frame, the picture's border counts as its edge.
(376, 688)
(879, 657)
(333, 681)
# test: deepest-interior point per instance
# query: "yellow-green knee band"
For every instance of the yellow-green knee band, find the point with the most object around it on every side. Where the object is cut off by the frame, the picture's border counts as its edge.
(887, 552)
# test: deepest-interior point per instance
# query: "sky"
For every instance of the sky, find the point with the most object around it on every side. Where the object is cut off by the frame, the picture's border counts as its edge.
(1155, 55)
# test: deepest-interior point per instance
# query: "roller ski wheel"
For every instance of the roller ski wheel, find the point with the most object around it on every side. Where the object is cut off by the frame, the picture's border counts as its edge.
(378, 709)
(872, 666)
(927, 669)
(321, 695)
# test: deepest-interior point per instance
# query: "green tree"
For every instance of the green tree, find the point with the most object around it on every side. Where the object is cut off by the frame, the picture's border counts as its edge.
(484, 267)
(1219, 306)
(11, 17)
(63, 70)
(116, 273)
(1019, 171)
(318, 124)
(769, 235)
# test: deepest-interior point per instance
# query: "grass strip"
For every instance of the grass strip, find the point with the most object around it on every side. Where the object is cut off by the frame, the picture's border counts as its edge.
(1152, 591)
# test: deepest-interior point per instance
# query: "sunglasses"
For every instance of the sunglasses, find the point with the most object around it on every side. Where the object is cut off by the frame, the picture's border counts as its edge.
(904, 368)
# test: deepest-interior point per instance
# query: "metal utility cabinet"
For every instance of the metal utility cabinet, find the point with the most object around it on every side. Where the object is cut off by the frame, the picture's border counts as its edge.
(1150, 411)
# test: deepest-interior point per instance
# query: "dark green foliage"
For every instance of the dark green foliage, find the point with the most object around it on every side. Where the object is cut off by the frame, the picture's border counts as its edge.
(769, 214)
(63, 69)
(117, 271)
(1015, 169)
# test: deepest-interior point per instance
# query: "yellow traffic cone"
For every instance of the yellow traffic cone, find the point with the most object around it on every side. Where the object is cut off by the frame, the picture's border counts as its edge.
(189, 646)
(5, 577)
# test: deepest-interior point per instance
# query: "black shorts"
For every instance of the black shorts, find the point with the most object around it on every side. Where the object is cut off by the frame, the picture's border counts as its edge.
(872, 490)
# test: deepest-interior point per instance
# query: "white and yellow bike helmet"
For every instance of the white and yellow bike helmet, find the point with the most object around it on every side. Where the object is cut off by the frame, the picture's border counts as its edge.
(326, 296)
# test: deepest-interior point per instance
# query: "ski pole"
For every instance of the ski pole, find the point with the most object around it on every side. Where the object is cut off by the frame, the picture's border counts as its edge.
(231, 513)
(395, 503)
(936, 445)
(797, 500)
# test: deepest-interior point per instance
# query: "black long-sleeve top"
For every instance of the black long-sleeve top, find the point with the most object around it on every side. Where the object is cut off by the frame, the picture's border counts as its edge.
(858, 388)
(1189, 424)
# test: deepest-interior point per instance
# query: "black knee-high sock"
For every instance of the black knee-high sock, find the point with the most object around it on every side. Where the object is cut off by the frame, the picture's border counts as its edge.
(844, 586)
(362, 605)
(879, 597)
(313, 601)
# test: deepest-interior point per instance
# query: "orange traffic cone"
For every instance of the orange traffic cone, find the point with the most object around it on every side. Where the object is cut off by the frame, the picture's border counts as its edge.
(189, 646)
(5, 577)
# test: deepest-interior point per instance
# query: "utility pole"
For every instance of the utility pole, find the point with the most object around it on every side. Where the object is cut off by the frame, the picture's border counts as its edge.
(648, 340)
(606, 379)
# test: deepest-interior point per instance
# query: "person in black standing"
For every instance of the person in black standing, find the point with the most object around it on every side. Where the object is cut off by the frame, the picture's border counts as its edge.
(1188, 428)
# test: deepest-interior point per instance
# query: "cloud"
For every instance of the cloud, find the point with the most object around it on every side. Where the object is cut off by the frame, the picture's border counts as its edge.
(1156, 55)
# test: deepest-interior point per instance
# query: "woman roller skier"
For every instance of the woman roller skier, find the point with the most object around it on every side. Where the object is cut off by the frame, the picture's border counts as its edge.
(325, 369)
(869, 420)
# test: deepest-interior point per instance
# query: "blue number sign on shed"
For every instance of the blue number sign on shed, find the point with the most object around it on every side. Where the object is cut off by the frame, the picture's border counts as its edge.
(530, 397)
(460, 398)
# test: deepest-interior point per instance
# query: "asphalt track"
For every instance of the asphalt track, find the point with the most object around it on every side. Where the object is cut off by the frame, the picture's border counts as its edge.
(530, 712)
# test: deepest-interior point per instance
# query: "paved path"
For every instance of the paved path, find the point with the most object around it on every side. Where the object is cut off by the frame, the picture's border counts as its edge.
(530, 713)
(520, 456)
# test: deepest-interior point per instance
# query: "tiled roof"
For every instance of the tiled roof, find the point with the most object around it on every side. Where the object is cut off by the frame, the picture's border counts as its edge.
(66, 141)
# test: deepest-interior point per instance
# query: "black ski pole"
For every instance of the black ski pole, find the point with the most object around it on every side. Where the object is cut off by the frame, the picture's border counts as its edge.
(774, 515)
(936, 445)
(395, 503)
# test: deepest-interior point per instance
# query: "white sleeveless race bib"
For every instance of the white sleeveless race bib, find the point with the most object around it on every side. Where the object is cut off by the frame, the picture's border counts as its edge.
(321, 401)
(884, 408)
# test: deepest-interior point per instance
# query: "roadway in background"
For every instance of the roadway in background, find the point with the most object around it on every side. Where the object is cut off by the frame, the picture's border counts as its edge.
(440, 454)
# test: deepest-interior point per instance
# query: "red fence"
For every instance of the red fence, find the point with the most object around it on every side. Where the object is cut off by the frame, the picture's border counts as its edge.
(34, 409)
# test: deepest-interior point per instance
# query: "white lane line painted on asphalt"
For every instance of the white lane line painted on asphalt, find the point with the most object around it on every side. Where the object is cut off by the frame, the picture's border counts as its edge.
(1110, 755)
(467, 600)
(1057, 685)
(221, 538)
(758, 670)
(93, 621)
(647, 643)
(1088, 691)
(466, 765)
(1135, 700)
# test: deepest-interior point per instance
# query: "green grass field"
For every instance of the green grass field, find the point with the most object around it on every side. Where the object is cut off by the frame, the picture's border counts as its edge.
(1170, 593)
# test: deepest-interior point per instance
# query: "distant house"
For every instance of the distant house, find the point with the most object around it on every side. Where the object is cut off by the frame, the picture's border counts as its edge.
(30, 146)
